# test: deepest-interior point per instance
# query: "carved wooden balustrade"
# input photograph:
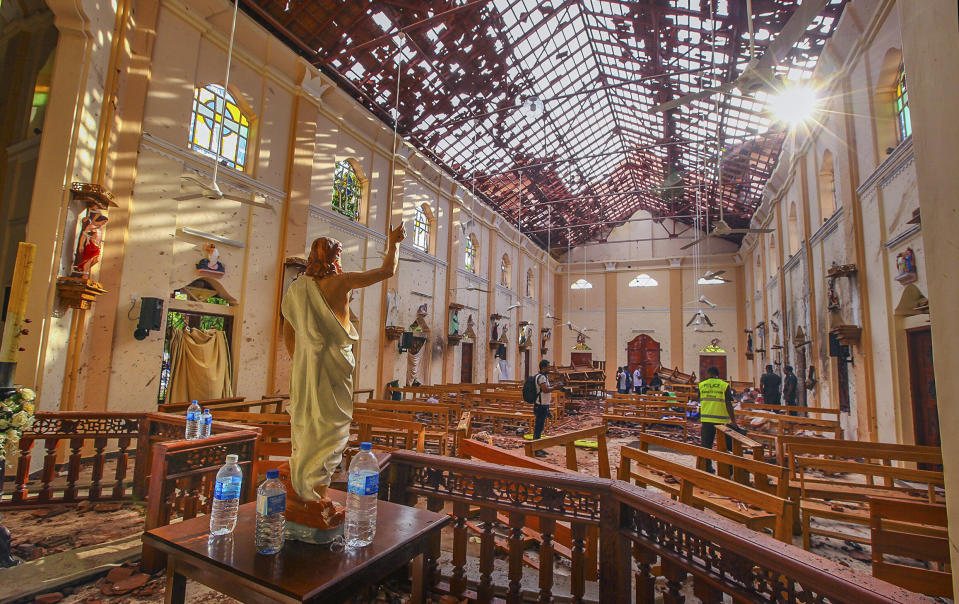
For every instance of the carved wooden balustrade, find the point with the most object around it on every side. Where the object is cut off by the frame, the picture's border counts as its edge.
(639, 530)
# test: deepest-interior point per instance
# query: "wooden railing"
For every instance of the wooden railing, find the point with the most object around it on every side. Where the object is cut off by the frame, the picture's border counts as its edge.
(639, 530)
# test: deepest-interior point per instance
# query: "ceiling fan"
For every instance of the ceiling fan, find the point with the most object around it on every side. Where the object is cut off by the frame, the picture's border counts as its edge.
(383, 255)
(698, 318)
(716, 276)
(721, 228)
(512, 306)
(759, 73)
(550, 315)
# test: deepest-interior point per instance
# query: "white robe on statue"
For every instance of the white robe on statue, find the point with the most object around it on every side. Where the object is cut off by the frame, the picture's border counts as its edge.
(321, 386)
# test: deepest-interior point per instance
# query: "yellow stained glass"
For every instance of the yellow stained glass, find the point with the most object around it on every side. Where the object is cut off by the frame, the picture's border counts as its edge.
(208, 120)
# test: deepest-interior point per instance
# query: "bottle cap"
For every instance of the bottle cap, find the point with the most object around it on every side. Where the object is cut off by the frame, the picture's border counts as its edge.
(195, 402)
(271, 474)
(206, 411)
(232, 458)
(366, 446)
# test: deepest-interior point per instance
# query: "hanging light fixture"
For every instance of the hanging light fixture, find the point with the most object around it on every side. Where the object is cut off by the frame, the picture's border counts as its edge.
(533, 106)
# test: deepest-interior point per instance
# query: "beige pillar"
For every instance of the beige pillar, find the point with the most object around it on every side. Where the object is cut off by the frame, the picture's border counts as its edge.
(739, 277)
(930, 49)
(676, 356)
(559, 302)
(612, 330)
(386, 359)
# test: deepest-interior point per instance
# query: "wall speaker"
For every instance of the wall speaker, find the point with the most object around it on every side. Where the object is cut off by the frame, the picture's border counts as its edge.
(837, 348)
(406, 341)
(151, 317)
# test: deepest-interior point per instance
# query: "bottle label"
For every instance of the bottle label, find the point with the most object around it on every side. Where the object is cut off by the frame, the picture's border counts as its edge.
(267, 505)
(192, 416)
(208, 420)
(228, 488)
(364, 484)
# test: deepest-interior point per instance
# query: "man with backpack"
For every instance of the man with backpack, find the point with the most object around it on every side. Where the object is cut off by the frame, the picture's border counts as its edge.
(536, 390)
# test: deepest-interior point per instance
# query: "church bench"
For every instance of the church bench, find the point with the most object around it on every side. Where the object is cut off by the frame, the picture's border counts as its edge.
(788, 424)
(506, 420)
(739, 442)
(269, 405)
(182, 406)
(751, 507)
(833, 413)
(568, 441)
(647, 417)
(827, 496)
(909, 529)
(788, 446)
(438, 418)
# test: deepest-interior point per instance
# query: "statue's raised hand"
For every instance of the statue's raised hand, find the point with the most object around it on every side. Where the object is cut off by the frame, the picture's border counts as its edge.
(398, 234)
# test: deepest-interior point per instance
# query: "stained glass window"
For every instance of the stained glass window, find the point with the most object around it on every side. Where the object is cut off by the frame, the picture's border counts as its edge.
(529, 283)
(205, 123)
(470, 260)
(581, 284)
(421, 229)
(643, 280)
(347, 190)
(504, 271)
(903, 118)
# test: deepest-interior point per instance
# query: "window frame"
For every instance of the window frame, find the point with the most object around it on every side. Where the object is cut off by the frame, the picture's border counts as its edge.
(360, 189)
(422, 227)
(900, 105)
(505, 271)
(469, 255)
(223, 100)
(634, 282)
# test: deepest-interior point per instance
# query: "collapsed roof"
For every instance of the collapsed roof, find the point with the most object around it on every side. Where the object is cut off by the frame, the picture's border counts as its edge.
(544, 106)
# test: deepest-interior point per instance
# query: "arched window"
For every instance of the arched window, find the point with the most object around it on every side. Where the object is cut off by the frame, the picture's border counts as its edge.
(529, 283)
(643, 280)
(901, 99)
(792, 225)
(773, 264)
(347, 189)
(504, 269)
(827, 186)
(422, 225)
(469, 260)
(208, 117)
(581, 284)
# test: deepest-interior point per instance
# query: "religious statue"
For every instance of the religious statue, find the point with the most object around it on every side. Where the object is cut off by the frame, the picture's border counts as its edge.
(749, 343)
(392, 316)
(211, 264)
(832, 298)
(546, 333)
(525, 335)
(906, 264)
(89, 242)
(470, 331)
(319, 337)
(454, 322)
(495, 337)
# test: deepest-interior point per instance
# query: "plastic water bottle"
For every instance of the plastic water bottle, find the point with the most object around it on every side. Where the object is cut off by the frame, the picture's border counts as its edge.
(226, 497)
(362, 486)
(206, 424)
(270, 514)
(193, 421)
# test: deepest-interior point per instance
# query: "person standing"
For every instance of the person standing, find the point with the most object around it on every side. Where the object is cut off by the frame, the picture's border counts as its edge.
(655, 383)
(769, 385)
(541, 406)
(790, 389)
(637, 381)
(715, 409)
(623, 383)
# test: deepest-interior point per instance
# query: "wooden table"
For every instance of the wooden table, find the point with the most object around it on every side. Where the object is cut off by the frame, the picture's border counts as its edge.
(301, 572)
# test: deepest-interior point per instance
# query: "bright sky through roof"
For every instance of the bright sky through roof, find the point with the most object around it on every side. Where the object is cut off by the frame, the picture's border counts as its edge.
(794, 105)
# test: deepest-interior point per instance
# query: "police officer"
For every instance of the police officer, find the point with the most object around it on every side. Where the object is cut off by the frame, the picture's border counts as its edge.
(715, 408)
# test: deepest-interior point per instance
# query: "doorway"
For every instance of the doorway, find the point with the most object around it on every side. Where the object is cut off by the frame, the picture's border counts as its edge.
(922, 384)
(466, 363)
(712, 360)
(525, 363)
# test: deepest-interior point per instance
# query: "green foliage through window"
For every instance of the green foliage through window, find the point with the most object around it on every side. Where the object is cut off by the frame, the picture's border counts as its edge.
(346, 190)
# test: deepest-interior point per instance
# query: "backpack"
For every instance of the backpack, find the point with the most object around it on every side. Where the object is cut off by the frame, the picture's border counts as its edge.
(531, 389)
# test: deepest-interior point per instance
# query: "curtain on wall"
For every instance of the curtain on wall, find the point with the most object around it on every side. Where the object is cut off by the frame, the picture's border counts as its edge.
(199, 365)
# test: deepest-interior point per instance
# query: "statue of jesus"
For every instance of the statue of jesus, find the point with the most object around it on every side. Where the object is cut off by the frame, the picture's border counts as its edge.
(319, 337)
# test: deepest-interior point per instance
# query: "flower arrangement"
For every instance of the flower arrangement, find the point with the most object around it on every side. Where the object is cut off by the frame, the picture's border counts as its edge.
(16, 417)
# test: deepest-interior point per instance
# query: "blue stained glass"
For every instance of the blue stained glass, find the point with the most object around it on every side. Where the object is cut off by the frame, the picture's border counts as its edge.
(207, 119)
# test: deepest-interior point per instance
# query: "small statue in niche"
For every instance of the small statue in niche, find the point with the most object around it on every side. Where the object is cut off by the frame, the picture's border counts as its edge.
(392, 315)
(906, 264)
(502, 332)
(89, 242)
(421, 311)
(545, 338)
(470, 325)
(832, 298)
(211, 264)
(525, 334)
(495, 333)
(749, 343)
(454, 322)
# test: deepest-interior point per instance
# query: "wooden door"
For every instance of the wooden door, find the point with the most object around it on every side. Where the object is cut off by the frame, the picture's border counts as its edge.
(643, 352)
(712, 360)
(925, 411)
(466, 363)
(525, 363)
(581, 359)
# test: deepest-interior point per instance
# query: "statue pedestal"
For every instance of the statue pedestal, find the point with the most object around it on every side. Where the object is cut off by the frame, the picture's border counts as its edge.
(300, 532)
(310, 521)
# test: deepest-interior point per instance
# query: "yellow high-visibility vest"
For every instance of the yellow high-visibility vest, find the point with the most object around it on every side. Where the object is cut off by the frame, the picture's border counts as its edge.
(712, 401)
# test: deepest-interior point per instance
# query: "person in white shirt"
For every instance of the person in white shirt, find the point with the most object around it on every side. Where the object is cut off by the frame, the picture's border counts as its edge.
(541, 406)
(637, 381)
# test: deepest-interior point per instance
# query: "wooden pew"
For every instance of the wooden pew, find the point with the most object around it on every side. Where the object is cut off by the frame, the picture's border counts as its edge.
(834, 413)
(269, 405)
(503, 420)
(787, 424)
(438, 418)
(822, 497)
(182, 406)
(739, 441)
(909, 529)
(568, 441)
(703, 490)
(638, 411)
(871, 452)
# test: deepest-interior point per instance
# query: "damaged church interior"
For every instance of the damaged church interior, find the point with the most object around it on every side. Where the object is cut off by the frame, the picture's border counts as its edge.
(455, 301)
